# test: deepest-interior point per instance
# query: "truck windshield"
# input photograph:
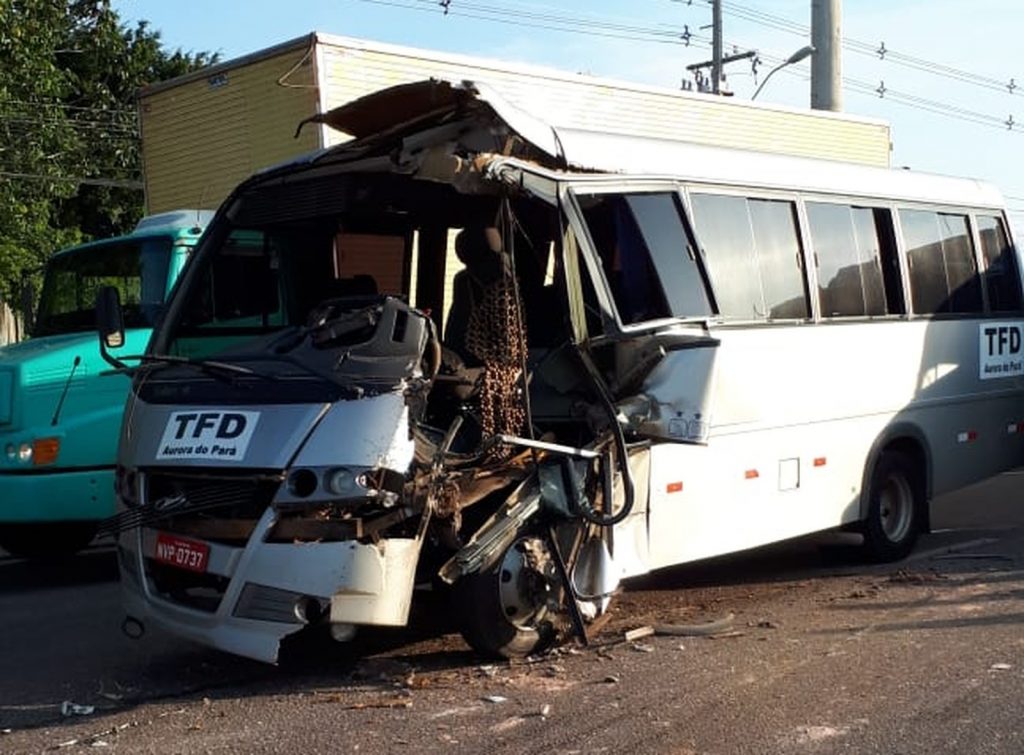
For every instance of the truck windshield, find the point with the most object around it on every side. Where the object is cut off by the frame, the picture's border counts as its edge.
(137, 269)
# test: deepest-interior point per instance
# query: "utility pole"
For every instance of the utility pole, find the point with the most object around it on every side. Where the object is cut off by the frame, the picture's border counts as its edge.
(827, 63)
(716, 46)
(713, 83)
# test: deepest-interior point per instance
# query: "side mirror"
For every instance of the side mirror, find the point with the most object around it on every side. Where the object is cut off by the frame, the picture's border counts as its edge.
(109, 319)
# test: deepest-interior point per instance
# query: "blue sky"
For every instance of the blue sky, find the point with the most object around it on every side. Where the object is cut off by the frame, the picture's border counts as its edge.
(940, 54)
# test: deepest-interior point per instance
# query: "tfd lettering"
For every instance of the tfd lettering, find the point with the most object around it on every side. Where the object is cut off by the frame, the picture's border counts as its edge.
(1004, 339)
(225, 426)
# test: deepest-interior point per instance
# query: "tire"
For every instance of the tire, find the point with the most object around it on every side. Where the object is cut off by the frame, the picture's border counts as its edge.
(503, 611)
(39, 541)
(896, 501)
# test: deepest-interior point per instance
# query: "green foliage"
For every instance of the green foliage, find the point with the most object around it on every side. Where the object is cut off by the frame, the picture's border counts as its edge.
(70, 163)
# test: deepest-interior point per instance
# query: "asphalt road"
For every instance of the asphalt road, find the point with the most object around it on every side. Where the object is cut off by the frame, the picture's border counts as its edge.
(825, 655)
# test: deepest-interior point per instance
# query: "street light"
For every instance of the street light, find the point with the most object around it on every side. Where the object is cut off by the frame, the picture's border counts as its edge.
(796, 57)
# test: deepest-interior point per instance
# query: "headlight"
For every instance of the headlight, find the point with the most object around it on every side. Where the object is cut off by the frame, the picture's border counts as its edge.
(341, 482)
(25, 453)
(11, 452)
(302, 483)
(309, 485)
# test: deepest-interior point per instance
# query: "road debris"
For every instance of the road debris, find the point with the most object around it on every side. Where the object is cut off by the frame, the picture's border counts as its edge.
(638, 633)
(641, 647)
(495, 699)
(696, 630)
(508, 723)
(726, 635)
(973, 557)
(1000, 667)
(902, 576)
(68, 708)
(380, 704)
(340, 697)
(611, 679)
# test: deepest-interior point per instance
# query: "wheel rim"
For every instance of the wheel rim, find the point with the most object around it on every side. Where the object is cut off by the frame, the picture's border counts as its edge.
(522, 587)
(896, 507)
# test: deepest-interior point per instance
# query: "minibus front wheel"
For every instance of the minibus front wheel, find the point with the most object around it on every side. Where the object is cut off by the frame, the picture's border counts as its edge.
(508, 609)
(896, 500)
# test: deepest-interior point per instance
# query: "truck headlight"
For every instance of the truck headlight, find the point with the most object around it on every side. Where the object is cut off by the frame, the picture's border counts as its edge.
(25, 453)
(11, 451)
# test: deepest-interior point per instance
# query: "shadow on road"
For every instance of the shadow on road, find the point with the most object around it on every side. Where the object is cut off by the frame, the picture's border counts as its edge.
(86, 568)
(800, 558)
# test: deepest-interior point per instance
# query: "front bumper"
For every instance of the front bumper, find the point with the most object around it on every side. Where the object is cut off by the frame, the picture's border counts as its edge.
(57, 496)
(358, 581)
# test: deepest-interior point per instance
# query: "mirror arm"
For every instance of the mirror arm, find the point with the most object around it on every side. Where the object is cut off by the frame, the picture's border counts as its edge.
(109, 358)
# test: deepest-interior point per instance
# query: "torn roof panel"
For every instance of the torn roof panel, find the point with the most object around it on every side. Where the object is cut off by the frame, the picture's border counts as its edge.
(406, 103)
(588, 151)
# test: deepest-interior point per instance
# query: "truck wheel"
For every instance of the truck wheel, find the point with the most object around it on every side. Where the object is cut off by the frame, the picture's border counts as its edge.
(896, 501)
(506, 610)
(39, 541)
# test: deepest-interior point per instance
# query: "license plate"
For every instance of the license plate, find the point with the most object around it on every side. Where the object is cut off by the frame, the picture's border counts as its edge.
(182, 553)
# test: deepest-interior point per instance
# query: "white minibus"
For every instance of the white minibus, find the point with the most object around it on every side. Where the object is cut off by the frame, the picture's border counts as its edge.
(470, 351)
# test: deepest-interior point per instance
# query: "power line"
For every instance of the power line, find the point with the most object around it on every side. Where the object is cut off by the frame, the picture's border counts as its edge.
(65, 106)
(76, 124)
(547, 21)
(879, 51)
(112, 182)
(574, 24)
(920, 103)
(61, 173)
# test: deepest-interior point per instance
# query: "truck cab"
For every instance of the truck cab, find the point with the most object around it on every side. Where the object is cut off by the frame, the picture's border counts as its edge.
(59, 412)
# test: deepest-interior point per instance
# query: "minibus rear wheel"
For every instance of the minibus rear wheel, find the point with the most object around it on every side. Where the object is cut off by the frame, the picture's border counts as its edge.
(38, 541)
(896, 500)
(506, 610)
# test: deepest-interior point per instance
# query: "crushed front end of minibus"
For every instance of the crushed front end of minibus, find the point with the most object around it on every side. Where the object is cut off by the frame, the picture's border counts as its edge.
(328, 418)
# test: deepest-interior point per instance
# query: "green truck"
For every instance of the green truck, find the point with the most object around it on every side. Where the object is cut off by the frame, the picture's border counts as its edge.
(60, 415)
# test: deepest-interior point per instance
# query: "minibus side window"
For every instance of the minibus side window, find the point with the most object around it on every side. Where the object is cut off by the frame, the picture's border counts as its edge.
(852, 246)
(778, 255)
(943, 274)
(1002, 276)
(753, 254)
(650, 266)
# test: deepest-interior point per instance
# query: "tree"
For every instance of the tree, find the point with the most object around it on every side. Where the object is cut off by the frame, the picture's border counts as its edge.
(70, 162)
